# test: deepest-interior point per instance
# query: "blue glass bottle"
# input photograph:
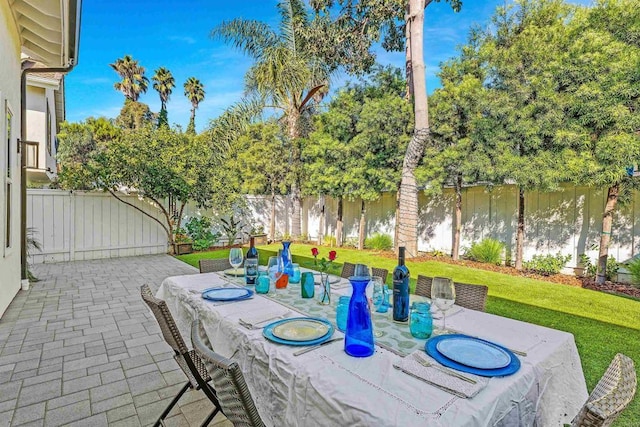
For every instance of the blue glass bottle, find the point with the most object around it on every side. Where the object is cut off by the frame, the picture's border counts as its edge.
(358, 341)
(401, 289)
(286, 258)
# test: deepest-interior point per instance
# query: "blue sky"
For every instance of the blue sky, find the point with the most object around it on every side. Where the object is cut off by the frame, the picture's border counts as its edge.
(175, 34)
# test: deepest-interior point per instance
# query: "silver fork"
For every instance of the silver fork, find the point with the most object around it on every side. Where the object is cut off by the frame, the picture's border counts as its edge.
(447, 371)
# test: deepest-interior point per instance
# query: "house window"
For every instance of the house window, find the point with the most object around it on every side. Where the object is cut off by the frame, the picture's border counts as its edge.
(48, 136)
(9, 120)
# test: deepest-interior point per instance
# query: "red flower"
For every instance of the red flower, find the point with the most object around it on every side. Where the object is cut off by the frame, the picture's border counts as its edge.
(314, 252)
(332, 255)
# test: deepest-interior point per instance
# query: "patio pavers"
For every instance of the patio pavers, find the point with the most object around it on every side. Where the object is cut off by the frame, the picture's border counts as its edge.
(81, 348)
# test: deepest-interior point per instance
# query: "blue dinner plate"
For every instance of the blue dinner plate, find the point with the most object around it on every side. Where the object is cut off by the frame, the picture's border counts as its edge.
(432, 350)
(268, 332)
(227, 294)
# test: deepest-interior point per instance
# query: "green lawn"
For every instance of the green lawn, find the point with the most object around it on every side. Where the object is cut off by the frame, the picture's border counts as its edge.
(602, 324)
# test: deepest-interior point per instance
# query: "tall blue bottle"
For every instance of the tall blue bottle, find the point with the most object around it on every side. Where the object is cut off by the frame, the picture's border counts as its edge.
(287, 264)
(358, 341)
(401, 289)
(252, 253)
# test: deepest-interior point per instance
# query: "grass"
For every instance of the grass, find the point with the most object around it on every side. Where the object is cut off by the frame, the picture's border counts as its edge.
(602, 324)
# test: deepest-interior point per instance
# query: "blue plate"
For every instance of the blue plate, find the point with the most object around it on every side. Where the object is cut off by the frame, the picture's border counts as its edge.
(432, 350)
(227, 294)
(474, 352)
(268, 332)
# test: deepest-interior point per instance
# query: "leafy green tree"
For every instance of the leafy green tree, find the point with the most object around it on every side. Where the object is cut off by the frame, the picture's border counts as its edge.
(194, 91)
(456, 158)
(285, 76)
(156, 163)
(524, 109)
(260, 166)
(602, 93)
(356, 149)
(133, 81)
(134, 115)
(163, 83)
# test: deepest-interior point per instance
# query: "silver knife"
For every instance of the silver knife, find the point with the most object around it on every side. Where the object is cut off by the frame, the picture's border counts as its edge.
(313, 347)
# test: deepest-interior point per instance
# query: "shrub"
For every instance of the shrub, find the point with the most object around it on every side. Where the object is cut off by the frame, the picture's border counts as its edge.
(379, 242)
(199, 230)
(634, 269)
(329, 241)
(488, 251)
(351, 242)
(547, 264)
(590, 270)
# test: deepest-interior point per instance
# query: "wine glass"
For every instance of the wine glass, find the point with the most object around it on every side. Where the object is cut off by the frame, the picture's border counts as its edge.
(361, 270)
(274, 267)
(443, 295)
(378, 300)
(235, 257)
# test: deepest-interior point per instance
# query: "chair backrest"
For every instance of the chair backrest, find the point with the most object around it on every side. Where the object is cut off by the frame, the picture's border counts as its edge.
(231, 389)
(211, 265)
(380, 272)
(469, 296)
(162, 314)
(348, 270)
(612, 394)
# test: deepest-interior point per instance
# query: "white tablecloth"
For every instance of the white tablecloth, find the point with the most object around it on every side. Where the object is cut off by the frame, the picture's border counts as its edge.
(326, 387)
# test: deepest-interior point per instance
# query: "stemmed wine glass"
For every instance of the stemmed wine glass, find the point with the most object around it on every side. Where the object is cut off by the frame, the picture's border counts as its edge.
(275, 268)
(443, 295)
(235, 257)
(361, 270)
(377, 300)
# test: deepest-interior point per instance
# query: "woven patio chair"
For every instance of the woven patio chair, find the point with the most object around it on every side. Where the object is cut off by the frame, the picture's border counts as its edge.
(188, 360)
(212, 265)
(235, 397)
(612, 395)
(469, 296)
(348, 270)
(380, 272)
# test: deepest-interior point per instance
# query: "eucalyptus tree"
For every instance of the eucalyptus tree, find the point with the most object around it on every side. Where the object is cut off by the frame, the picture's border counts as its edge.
(163, 83)
(525, 52)
(133, 82)
(360, 24)
(602, 89)
(285, 76)
(194, 91)
(457, 157)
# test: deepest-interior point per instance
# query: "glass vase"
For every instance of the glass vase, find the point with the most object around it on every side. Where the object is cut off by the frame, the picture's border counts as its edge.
(324, 294)
(287, 264)
(358, 341)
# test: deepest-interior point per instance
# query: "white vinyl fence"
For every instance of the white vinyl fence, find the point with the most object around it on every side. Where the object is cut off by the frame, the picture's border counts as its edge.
(76, 226)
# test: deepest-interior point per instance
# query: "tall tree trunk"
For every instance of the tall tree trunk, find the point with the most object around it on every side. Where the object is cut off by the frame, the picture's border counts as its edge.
(408, 203)
(407, 61)
(457, 219)
(363, 222)
(293, 116)
(605, 237)
(520, 231)
(339, 224)
(272, 220)
(321, 222)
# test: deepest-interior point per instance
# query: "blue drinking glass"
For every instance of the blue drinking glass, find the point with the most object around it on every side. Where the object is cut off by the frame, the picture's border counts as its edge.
(263, 283)
(295, 277)
(358, 340)
(420, 321)
(307, 288)
(342, 312)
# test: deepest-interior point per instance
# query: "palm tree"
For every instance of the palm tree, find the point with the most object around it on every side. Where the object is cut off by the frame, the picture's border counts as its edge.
(284, 76)
(163, 82)
(133, 81)
(194, 91)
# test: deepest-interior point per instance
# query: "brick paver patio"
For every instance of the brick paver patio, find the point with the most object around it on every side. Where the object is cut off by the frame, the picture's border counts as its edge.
(80, 347)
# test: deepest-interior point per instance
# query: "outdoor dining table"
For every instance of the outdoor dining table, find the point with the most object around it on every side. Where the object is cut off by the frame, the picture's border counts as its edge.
(327, 387)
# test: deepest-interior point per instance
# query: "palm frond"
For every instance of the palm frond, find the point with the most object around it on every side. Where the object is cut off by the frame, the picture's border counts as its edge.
(234, 122)
(251, 37)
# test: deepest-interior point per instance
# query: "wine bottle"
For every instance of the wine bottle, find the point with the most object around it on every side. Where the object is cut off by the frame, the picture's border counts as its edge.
(401, 289)
(252, 266)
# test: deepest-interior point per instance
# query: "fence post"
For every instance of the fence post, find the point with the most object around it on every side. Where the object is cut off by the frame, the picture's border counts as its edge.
(72, 226)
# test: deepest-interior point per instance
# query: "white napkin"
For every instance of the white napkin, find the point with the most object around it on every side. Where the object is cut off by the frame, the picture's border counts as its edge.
(437, 378)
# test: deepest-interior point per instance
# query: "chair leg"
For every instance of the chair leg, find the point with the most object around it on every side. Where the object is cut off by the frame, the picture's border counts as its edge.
(210, 417)
(208, 391)
(168, 409)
